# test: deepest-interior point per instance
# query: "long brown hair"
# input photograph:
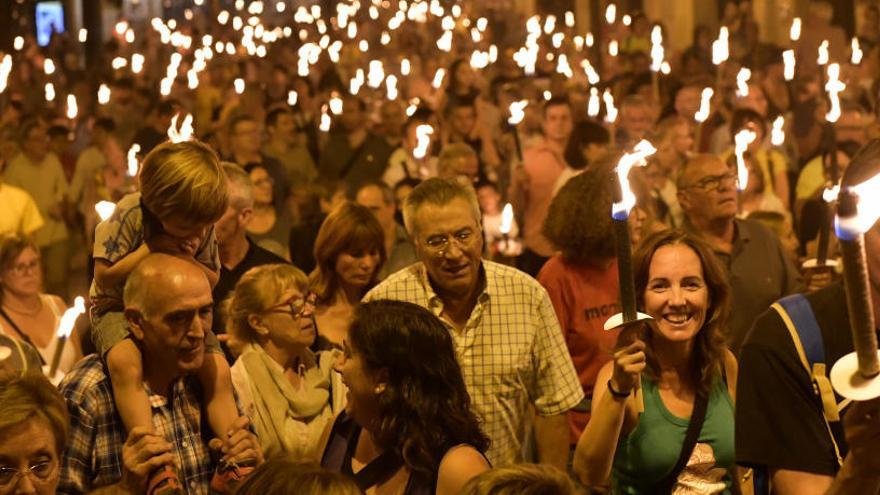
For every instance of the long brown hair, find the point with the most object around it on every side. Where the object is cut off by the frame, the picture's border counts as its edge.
(350, 228)
(709, 344)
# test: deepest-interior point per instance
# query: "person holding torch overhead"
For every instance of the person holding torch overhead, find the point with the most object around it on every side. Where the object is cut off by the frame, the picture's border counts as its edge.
(678, 432)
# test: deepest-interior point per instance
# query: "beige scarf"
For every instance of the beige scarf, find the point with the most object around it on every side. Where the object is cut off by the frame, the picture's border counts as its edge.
(278, 406)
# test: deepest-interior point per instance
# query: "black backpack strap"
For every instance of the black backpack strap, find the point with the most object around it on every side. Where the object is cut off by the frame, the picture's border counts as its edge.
(695, 426)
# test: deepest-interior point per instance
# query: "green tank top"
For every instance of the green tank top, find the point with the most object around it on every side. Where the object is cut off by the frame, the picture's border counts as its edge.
(648, 453)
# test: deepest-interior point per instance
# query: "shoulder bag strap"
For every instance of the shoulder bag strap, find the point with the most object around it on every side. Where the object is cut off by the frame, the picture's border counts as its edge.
(690, 441)
(21, 334)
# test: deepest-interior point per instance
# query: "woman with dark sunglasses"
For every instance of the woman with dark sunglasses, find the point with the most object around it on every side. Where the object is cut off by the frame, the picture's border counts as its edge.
(289, 393)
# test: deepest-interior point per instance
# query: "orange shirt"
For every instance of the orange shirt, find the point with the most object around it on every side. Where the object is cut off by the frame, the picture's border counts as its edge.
(583, 297)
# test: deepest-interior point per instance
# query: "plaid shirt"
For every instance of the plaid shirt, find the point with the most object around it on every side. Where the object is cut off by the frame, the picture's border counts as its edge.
(94, 447)
(511, 351)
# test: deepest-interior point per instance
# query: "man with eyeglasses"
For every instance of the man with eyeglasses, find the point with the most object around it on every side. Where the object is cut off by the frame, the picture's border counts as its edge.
(245, 142)
(168, 307)
(758, 269)
(506, 334)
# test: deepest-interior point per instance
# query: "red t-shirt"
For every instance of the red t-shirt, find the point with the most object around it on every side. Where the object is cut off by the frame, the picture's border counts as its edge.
(583, 297)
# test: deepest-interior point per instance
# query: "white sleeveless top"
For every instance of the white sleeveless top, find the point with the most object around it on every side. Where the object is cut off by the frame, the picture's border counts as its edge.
(68, 355)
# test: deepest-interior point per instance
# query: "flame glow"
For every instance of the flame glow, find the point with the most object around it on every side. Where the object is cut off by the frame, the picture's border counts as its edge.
(506, 219)
(777, 134)
(742, 82)
(610, 109)
(5, 69)
(71, 107)
(834, 86)
(184, 133)
(104, 209)
(857, 54)
(68, 319)
(657, 52)
(103, 94)
(517, 112)
(795, 32)
(291, 97)
(49, 91)
(638, 157)
(742, 140)
(721, 47)
(610, 13)
(829, 195)
(423, 140)
(438, 78)
(705, 105)
(789, 61)
(593, 105)
(822, 59)
(868, 208)
(133, 160)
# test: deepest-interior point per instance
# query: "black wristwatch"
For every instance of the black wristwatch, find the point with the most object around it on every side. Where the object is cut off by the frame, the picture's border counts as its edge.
(615, 393)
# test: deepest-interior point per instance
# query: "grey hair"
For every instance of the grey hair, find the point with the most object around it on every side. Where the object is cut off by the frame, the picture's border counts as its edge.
(241, 190)
(452, 152)
(439, 192)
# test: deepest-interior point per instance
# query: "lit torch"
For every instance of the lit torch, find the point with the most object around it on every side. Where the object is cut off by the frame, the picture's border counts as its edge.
(702, 115)
(742, 140)
(720, 52)
(133, 164)
(857, 375)
(610, 116)
(71, 107)
(625, 200)
(742, 82)
(5, 69)
(423, 141)
(65, 327)
(777, 134)
(857, 54)
(789, 64)
(506, 225)
(103, 94)
(517, 113)
(657, 54)
(184, 133)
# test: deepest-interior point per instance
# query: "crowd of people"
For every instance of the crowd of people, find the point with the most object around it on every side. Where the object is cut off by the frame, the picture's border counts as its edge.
(372, 251)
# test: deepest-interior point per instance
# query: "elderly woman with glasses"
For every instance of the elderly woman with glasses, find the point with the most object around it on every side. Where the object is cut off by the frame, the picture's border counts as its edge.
(289, 393)
(26, 313)
(33, 432)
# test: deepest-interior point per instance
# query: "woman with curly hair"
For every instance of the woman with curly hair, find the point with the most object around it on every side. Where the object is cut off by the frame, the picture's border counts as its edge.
(349, 250)
(680, 371)
(582, 279)
(408, 427)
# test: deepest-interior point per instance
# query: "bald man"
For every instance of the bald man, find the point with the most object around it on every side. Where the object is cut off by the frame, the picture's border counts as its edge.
(168, 306)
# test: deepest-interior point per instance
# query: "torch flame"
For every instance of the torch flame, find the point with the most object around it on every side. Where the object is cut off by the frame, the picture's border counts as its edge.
(517, 112)
(185, 132)
(856, 52)
(795, 32)
(789, 61)
(5, 69)
(657, 52)
(610, 109)
(590, 71)
(103, 94)
(438, 78)
(742, 82)
(71, 107)
(325, 123)
(292, 97)
(132, 159)
(423, 136)
(720, 47)
(742, 141)
(868, 208)
(830, 193)
(822, 59)
(50, 91)
(834, 86)
(777, 135)
(506, 219)
(705, 105)
(104, 209)
(638, 157)
(68, 319)
(593, 106)
(610, 13)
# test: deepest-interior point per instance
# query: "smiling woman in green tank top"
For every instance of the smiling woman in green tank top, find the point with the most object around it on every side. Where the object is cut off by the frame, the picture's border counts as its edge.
(646, 396)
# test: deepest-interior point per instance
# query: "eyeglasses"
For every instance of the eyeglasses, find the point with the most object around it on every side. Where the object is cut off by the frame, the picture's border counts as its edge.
(713, 182)
(295, 308)
(22, 268)
(438, 245)
(40, 473)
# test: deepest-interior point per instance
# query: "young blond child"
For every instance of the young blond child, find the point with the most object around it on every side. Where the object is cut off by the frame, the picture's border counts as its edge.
(182, 193)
